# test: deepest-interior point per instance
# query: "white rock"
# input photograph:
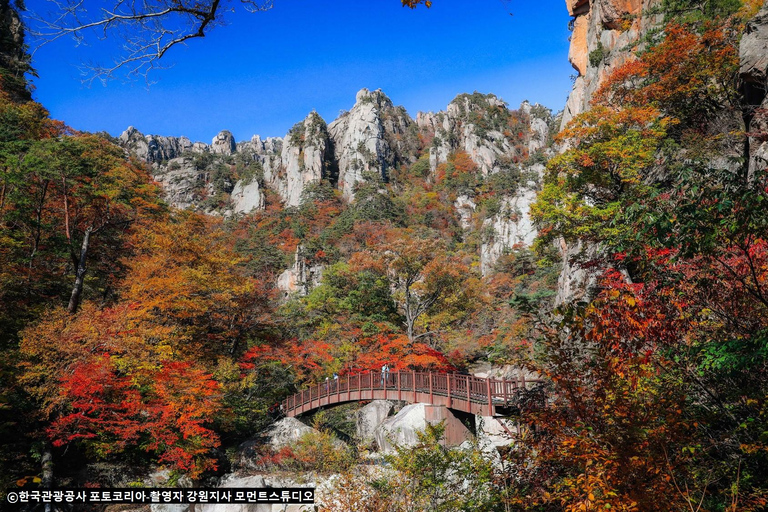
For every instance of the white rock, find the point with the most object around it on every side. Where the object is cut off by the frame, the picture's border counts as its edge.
(304, 158)
(369, 138)
(466, 208)
(223, 143)
(286, 431)
(512, 228)
(301, 278)
(401, 429)
(370, 417)
(247, 197)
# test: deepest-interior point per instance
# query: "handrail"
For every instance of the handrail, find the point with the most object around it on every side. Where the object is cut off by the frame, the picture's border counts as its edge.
(458, 389)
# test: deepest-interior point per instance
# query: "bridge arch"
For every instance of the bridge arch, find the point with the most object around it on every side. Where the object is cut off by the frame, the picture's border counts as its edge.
(465, 393)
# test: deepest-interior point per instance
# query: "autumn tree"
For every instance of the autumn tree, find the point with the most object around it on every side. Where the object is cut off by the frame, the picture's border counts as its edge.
(426, 280)
(655, 382)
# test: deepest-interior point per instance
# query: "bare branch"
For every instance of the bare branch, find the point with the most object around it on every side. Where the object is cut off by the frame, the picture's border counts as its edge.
(148, 29)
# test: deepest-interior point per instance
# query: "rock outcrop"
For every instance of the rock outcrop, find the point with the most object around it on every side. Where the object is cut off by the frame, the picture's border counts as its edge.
(603, 38)
(300, 278)
(753, 71)
(14, 59)
(373, 137)
(223, 143)
(482, 126)
(247, 197)
(512, 227)
(603, 33)
(154, 148)
(306, 158)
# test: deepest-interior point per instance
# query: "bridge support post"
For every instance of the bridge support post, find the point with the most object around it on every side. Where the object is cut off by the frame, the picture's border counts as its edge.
(413, 376)
(399, 386)
(448, 388)
(469, 396)
(430, 388)
(490, 396)
(504, 390)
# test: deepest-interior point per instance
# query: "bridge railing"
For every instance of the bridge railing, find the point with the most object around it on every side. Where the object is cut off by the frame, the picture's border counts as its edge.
(498, 392)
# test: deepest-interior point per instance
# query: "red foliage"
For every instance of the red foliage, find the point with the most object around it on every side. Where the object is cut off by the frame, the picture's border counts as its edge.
(165, 410)
(400, 354)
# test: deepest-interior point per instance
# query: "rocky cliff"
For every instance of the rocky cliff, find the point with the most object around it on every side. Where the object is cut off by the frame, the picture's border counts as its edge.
(753, 72)
(604, 33)
(368, 142)
(14, 60)
(604, 36)
(373, 137)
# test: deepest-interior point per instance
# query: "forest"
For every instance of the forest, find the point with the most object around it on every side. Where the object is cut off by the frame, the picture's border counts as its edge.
(137, 335)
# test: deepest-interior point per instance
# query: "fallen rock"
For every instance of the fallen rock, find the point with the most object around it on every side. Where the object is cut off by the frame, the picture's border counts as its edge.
(287, 431)
(401, 429)
(370, 417)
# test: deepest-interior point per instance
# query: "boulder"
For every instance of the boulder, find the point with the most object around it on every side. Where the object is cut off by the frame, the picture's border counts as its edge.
(401, 429)
(286, 431)
(370, 417)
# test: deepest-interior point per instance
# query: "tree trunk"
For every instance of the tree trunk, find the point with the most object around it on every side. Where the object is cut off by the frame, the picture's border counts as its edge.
(46, 463)
(77, 290)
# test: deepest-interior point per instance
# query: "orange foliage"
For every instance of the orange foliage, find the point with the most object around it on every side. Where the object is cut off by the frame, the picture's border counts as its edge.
(688, 75)
(399, 353)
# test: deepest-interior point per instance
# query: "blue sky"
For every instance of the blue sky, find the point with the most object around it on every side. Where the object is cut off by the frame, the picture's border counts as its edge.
(263, 72)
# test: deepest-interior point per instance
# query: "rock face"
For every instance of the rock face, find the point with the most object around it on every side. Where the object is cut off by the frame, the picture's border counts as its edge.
(247, 197)
(753, 71)
(511, 228)
(301, 278)
(305, 158)
(223, 143)
(400, 429)
(14, 59)
(603, 31)
(602, 40)
(497, 140)
(480, 125)
(153, 148)
(183, 182)
(372, 137)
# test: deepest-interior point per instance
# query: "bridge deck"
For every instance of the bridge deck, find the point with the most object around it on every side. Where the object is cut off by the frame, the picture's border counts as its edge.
(460, 392)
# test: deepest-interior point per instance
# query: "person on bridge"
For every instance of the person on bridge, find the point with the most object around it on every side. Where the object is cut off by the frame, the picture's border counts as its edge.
(335, 382)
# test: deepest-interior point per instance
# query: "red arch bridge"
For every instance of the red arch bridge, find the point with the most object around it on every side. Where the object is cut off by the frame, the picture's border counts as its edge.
(465, 393)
